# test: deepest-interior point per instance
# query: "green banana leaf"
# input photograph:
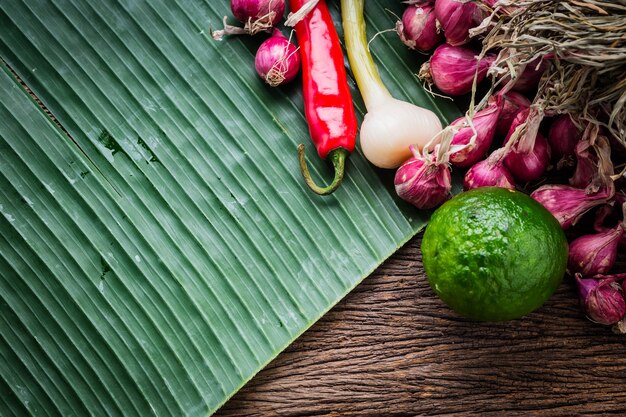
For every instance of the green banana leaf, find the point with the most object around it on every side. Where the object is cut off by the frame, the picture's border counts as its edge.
(158, 246)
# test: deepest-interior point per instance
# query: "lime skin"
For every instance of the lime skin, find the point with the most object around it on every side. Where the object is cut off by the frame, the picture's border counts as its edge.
(494, 254)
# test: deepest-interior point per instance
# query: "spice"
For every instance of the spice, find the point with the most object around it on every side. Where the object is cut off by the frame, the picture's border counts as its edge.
(593, 161)
(477, 137)
(512, 103)
(563, 136)
(568, 204)
(457, 18)
(327, 100)
(256, 15)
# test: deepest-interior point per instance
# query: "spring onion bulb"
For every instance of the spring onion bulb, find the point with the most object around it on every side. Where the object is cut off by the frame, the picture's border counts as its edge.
(390, 125)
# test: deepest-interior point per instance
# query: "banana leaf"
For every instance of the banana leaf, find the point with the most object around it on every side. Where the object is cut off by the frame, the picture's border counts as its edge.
(158, 246)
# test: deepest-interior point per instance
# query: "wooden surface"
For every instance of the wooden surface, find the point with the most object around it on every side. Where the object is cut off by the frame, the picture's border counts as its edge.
(392, 348)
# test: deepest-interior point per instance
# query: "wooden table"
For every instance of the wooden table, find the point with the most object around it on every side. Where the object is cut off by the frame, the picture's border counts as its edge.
(392, 348)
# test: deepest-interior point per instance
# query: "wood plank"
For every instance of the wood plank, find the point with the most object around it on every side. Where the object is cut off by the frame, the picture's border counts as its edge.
(393, 348)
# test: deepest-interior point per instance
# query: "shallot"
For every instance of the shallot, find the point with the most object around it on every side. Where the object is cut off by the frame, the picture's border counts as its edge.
(512, 103)
(529, 78)
(602, 299)
(563, 136)
(418, 28)
(596, 253)
(490, 172)
(457, 18)
(478, 139)
(423, 181)
(453, 69)
(568, 204)
(529, 166)
(277, 60)
(256, 15)
(593, 162)
(529, 157)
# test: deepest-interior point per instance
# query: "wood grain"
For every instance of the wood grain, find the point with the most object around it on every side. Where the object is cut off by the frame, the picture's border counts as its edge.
(393, 348)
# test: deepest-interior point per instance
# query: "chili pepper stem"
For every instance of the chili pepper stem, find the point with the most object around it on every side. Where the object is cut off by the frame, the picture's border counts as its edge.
(337, 157)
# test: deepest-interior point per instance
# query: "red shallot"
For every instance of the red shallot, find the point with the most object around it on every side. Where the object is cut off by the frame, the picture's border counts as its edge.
(568, 204)
(423, 181)
(490, 172)
(256, 15)
(512, 103)
(596, 253)
(602, 299)
(277, 60)
(453, 68)
(563, 136)
(529, 157)
(477, 140)
(593, 161)
(418, 28)
(529, 78)
(457, 18)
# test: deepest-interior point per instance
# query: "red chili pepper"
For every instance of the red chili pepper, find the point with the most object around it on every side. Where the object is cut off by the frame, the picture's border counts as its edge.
(327, 101)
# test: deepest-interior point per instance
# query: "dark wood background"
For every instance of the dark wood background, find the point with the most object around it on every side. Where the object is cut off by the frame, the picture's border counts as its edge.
(392, 348)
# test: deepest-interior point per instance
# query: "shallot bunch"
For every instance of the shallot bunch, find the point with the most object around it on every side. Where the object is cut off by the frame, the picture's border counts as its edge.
(546, 115)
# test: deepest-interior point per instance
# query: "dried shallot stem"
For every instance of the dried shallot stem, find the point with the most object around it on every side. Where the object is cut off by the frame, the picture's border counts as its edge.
(584, 42)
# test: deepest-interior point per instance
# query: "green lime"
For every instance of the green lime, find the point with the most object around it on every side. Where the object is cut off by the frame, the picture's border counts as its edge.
(494, 254)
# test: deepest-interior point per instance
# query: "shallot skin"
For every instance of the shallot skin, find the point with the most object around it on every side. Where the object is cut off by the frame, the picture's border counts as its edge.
(602, 299)
(512, 104)
(568, 204)
(530, 162)
(529, 79)
(594, 254)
